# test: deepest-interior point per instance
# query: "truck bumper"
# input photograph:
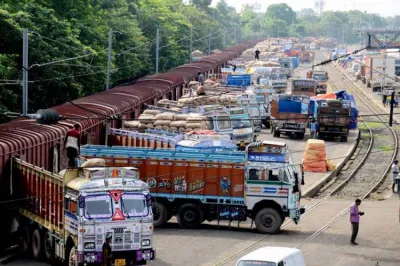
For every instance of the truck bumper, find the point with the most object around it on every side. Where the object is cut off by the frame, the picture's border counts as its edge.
(288, 130)
(128, 257)
(337, 133)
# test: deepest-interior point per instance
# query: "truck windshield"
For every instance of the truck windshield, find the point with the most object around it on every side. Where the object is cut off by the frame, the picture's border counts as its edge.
(256, 263)
(224, 122)
(240, 123)
(98, 206)
(317, 77)
(253, 111)
(134, 204)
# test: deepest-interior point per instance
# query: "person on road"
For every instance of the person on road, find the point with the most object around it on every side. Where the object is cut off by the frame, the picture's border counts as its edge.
(355, 221)
(107, 252)
(395, 173)
(314, 129)
(257, 55)
(72, 143)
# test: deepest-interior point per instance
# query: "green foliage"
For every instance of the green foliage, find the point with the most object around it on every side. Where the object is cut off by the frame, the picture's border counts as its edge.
(61, 29)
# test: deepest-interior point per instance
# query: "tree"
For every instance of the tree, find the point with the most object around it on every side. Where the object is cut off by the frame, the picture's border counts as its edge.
(281, 12)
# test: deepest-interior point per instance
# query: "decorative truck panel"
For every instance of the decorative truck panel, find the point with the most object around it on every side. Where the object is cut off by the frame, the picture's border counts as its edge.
(188, 173)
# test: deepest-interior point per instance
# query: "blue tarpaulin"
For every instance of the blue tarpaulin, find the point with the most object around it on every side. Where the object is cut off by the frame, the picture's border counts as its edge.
(295, 62)
(354, 111)
(239, 80)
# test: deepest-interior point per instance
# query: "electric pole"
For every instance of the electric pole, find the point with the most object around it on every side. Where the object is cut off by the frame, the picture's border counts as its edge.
(191, 45)
(223, 38)
(157, 48)
(209, 42)
(384, 66)
(110, 35)
(25, 73)
(234, 35)
(391, 109)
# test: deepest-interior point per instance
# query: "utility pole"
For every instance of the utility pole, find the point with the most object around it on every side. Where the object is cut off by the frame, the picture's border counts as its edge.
(157, 48)
(209, 42)
(110, 35)
(191, 45)
(234, 35)
(25, 73)
(384, 66)
(391, 109)
(223, 38)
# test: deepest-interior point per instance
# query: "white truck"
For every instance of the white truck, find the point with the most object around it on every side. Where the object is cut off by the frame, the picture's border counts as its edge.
(67, 216)
(373, 78)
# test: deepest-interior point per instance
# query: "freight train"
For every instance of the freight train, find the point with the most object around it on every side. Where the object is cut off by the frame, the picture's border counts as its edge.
(40, 145)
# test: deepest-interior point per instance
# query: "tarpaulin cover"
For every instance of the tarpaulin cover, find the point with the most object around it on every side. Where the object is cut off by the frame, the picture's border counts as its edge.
(239, 80)
(354, 111)
(312, 107)
(295, 62)
(289, 107)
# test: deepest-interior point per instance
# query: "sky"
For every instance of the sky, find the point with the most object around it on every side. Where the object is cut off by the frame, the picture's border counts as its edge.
(383, 7)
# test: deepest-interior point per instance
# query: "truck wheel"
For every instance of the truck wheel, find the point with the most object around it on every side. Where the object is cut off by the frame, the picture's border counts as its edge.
(277, 133)
(300, 135)
(48, 246)
(37, 244)
(25, 240)
(159, 214)
(268, 221)
(343, 139)
(189, 216)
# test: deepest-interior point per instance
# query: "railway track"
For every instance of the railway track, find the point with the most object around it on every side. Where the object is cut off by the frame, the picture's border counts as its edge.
(339, 186)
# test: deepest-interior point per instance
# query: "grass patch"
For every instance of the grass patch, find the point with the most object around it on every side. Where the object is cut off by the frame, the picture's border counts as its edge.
(373, 125)
(385, 148)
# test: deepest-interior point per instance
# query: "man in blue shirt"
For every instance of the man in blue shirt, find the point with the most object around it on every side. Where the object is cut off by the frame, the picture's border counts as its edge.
(314, 129)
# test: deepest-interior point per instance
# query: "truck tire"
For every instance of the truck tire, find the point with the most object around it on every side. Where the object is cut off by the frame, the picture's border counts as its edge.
(277, 133)
(268, 221)
(300, 135)
(159, 214)
(37, 244)
(25, 240)
(343, 139)
(189, 216)
(48, 243)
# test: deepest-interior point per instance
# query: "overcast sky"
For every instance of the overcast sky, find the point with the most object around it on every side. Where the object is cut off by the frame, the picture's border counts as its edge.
(383, 7)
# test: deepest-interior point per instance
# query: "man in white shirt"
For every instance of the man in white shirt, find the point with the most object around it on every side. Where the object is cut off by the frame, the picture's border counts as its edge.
(395, 173)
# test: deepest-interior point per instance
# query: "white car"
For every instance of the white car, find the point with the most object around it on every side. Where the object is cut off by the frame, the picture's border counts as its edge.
(273, 256)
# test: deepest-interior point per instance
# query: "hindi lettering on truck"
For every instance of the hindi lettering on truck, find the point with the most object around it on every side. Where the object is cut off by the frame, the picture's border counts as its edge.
(215, 185)
(67, 216)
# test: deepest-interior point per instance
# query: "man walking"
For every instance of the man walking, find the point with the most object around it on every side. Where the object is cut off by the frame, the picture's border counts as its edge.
(257, 55)
(314, 129)
(107, 252)
(201, 78)
(355, 221)
(395, 173)
(72, 142)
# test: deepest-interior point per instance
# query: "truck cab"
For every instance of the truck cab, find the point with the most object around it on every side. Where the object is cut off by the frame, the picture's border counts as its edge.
(303, 86)
(322, 81)
(243, 132)
(286, 65)
(220, 122)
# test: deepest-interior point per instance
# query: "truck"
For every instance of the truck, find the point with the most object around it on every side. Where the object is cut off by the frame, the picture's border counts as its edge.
(333, 118)
(260, 183)
(286, 65)
(289, 115)
(243, 132)
(374, 79)
(67, 216)
(263, 96)
(303, 86)
(322, 80)
(306, 57)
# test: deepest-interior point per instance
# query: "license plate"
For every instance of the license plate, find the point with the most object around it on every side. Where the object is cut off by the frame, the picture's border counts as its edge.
(120, 262)
(241, 131)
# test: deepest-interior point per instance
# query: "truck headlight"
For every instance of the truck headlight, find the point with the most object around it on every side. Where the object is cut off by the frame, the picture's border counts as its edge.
(89, 245)
(146, 242)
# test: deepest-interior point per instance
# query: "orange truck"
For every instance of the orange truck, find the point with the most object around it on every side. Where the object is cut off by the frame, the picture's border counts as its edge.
(199, 184)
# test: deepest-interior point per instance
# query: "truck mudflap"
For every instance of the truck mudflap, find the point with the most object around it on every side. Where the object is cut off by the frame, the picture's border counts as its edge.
(121, 258)
(296, 214)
